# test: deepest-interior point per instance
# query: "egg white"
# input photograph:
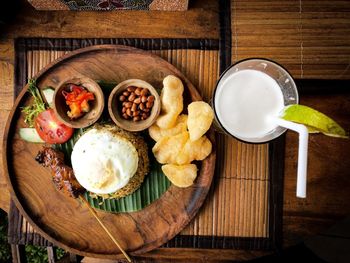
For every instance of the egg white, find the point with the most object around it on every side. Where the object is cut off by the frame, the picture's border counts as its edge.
(103, 162)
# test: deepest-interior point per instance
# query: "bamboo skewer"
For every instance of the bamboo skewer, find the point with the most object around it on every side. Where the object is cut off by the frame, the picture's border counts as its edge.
(93, 212)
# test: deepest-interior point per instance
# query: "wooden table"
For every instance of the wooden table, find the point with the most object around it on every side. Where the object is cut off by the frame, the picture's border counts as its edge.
(310, 38)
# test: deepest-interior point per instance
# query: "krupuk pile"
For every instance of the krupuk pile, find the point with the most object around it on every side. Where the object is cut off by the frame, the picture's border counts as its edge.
(180, 138)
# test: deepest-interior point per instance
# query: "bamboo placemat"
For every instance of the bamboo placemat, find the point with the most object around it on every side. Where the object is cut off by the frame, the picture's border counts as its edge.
(309, 38)
(240, 210)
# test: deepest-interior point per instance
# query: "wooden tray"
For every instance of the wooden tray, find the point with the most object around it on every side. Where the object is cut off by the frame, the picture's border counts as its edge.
(67, 222)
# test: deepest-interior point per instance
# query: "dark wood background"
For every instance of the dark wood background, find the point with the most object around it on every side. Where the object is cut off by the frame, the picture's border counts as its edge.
(311, 38)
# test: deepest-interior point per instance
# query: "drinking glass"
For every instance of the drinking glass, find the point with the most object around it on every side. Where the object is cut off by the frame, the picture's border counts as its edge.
(276, 72)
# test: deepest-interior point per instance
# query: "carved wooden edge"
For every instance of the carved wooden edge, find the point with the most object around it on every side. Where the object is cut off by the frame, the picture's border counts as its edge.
(9, 127)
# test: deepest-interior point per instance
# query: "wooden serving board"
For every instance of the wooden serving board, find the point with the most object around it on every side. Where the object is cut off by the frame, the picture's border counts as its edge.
(66, 221)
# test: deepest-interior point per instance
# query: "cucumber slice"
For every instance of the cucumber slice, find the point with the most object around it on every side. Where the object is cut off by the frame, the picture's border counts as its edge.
(48, 94)
(30, 135)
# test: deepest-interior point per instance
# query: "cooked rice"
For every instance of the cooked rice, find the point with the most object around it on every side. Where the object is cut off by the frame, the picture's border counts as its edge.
(143, 165)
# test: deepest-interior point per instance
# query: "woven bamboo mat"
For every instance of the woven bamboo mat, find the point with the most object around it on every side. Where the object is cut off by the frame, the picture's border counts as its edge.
(240, 210)
(308, 37)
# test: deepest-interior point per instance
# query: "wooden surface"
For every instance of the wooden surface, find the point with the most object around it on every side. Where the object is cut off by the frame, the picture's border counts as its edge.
(328, 186)
(114, 106)
(96, 107)
(311, 38)
(189, 255)
(203, 18)
(201, 70)
(227, 212)
(32, 188)
(165, 5)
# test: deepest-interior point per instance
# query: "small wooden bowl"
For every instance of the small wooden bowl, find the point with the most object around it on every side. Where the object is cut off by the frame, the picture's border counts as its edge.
(96, 106)
(114, 106)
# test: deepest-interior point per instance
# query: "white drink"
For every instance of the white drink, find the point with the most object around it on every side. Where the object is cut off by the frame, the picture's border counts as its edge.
(245, 101)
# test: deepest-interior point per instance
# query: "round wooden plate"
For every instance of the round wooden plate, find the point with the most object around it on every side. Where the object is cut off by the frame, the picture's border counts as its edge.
(66, 221)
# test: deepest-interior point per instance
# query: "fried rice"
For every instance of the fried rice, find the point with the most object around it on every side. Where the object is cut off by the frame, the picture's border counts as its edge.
(143, 163)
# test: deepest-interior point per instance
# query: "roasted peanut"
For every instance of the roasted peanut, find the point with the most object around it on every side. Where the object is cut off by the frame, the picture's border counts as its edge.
(131, 88)
(142, 106)
(143, 99)
(150, 98)
(138, 91)
(132, 97)
(128, 104)
(134, 107)
(144, 92)
(149, 104)
(136, 103)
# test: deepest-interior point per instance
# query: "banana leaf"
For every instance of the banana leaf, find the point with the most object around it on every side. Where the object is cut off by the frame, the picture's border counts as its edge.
(152, 188)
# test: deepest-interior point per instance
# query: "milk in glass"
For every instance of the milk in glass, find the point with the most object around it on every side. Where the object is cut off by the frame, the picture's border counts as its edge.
(245, 102)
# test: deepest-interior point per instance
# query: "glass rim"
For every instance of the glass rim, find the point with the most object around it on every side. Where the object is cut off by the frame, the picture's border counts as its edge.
(217, 84)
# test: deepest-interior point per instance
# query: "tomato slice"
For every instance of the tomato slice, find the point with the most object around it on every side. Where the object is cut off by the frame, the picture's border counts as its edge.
(50, 129)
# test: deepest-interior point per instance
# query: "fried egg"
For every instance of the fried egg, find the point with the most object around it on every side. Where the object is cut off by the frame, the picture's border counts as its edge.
(103, 162)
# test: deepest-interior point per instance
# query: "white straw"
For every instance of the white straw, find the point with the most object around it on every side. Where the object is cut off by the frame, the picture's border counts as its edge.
(302, 154)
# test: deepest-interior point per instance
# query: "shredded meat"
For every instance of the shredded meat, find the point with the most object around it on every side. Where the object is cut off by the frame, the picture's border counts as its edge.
(62, 175)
